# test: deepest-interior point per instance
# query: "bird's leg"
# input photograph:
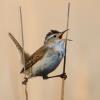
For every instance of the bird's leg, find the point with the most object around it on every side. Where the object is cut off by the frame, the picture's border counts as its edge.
(25, 81)
(63, 75)
(27, 78)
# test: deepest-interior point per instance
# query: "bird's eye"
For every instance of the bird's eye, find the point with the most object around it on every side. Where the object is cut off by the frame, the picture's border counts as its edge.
(54, 35)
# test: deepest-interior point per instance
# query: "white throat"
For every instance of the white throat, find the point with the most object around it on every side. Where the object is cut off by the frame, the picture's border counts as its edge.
(58, 45)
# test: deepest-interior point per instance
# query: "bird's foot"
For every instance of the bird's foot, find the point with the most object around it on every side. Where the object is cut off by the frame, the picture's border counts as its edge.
(63, 75)
(25, 81)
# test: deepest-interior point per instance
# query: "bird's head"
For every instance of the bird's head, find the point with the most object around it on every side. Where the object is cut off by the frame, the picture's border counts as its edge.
(54, 35)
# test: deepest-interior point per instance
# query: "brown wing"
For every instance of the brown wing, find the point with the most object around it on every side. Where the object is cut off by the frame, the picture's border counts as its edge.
(35, 57)
(20, 49)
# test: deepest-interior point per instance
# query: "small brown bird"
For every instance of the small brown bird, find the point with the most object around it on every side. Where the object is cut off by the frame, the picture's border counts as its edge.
(47, 58)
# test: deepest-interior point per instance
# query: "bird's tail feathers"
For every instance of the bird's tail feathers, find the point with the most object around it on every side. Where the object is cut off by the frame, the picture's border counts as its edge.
(19, 47)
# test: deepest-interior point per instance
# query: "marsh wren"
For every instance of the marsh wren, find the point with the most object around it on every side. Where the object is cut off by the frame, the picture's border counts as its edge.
(47, 58)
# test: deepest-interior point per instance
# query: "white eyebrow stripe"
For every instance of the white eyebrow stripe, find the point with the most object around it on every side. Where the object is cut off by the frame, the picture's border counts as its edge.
(50, 36)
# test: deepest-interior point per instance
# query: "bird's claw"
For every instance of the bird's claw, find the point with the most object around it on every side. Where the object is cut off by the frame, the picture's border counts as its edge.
(63, 75)
(25, 81)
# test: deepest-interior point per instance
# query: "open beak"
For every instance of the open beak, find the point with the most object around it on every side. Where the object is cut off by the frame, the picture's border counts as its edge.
(62, 33)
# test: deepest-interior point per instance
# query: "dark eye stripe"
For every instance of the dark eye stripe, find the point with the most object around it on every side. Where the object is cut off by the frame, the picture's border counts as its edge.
(49, 35)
